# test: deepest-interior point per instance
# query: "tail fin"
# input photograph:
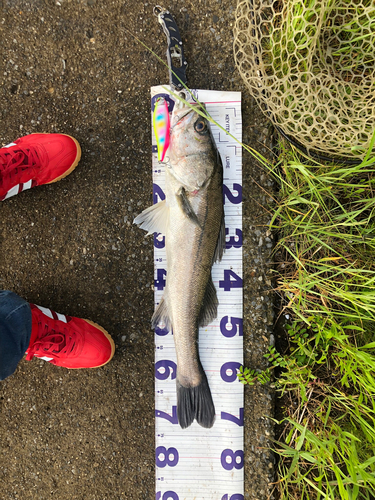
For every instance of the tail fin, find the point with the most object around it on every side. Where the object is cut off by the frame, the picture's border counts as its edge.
(195, 403)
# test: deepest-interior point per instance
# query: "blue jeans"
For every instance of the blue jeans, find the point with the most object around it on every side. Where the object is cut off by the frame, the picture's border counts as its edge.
(15, 331)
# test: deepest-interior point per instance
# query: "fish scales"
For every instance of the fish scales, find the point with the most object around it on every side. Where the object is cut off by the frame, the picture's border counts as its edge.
(192, 219)
(190, 251)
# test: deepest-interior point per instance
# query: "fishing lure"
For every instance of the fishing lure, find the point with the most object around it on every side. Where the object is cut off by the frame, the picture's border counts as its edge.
(161, 123)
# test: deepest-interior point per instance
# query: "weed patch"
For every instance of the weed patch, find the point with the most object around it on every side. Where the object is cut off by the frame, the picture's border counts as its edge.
(326, 378)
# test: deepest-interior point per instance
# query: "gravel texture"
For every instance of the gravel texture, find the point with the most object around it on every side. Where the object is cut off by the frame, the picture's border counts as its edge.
(71, 66)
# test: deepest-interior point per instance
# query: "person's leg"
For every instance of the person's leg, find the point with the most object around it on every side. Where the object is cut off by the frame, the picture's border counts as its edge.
(40, 332)
(36, 159)
(15, 331)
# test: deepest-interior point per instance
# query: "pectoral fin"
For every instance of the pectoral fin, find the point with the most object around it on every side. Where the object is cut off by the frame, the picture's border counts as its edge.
(154, 219)
(185, 205)
(209, 307)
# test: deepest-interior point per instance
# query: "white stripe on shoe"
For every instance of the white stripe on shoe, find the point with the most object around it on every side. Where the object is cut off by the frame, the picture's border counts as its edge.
(27, 185)
(12, 192)
(52, 314)
(10, 145)
(62, 317)
(44, 358)
(18, 189)
(45, 311)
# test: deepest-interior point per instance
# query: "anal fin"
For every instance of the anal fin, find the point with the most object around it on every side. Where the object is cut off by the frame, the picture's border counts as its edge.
(161, 316)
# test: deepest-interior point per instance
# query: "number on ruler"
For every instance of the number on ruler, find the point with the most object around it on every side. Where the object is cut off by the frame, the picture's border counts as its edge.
(236, 496)
(236, 326)
(159, 240)
(169, 368)
(159, 283)
(232, 418)
(234, 241)
(171, 418)
(170, 457)
(158, 195)
(231, 197)
(232, 366)
(232, 456)
(168, 495)
(161, 331)
(157, 192)
(227, 283)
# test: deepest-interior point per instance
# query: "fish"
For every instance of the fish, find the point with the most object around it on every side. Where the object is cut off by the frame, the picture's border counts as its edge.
(192, 219)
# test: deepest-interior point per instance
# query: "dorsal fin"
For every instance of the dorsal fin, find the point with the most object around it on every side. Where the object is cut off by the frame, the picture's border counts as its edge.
(220, 245)
(209, 307)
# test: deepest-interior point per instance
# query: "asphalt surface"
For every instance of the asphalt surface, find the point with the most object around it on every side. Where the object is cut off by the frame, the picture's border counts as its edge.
(72, 66)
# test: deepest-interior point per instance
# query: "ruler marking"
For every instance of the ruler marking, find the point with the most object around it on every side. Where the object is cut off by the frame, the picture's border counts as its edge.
(197, 461)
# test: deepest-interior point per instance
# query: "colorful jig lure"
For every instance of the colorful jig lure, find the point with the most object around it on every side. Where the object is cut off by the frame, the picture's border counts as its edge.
(162, 126)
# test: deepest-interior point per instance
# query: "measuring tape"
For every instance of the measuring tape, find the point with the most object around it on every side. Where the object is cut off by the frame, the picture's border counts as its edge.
(198, 463)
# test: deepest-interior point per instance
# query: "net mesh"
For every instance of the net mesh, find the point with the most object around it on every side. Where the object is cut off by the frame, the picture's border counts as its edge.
(310, 65)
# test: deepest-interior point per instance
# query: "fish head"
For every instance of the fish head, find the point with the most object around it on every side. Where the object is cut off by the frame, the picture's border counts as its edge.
(192, 149)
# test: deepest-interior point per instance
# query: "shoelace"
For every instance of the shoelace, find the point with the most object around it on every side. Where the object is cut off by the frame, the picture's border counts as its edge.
(16, 161)
(54, 344)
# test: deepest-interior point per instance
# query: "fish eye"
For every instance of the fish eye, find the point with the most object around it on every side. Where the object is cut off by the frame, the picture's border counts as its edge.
(200, 126)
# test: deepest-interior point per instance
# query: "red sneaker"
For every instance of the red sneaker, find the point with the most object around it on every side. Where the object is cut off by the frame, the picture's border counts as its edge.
(36, 159)
(67, 341)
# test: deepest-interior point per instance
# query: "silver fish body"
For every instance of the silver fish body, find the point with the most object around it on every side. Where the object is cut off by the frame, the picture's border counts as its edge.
(192, 219)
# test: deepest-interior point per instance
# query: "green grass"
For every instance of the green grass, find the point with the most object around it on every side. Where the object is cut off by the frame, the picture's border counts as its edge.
(325, 220)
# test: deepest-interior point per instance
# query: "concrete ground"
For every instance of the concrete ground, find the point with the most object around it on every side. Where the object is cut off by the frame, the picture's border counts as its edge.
(71, 66)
